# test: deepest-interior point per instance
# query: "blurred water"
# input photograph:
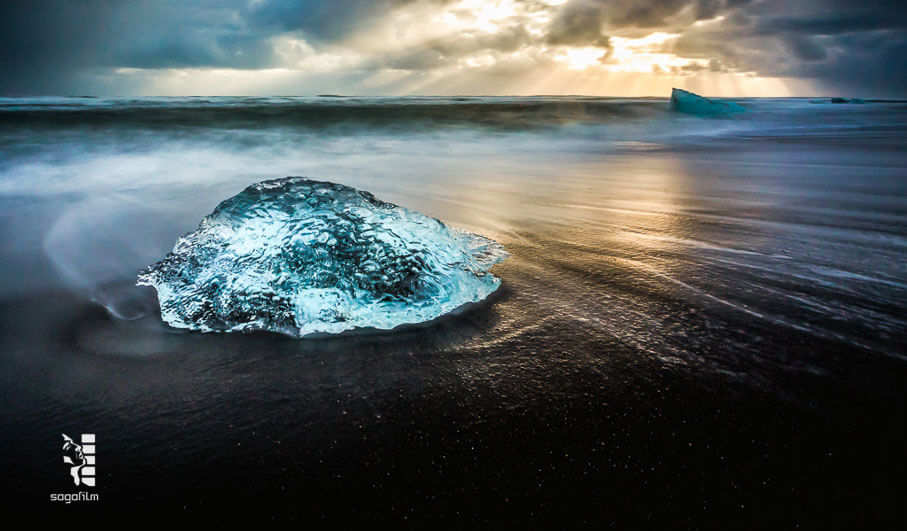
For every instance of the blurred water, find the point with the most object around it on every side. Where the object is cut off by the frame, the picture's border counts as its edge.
(792, 214)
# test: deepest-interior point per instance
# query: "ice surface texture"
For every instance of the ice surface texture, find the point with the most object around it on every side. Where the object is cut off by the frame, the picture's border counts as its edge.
(301, 257)
(690, 103)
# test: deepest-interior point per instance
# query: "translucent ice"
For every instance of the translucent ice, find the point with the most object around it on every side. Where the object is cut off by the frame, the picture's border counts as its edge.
(690, 103)
(299, 257)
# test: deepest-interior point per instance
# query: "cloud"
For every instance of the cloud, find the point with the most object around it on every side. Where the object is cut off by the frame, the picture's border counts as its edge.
(320, 21)
(44, 44)
(805, 48)
(579, 22)
(58, 46)
(841, 45)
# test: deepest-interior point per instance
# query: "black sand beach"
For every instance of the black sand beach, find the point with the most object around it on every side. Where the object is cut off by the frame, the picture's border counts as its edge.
(701, 322)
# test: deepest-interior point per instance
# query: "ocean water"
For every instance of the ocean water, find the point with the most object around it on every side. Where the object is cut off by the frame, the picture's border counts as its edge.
(701, 319)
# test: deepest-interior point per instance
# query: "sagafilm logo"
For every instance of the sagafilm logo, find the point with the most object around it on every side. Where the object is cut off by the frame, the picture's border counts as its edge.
(80, 457)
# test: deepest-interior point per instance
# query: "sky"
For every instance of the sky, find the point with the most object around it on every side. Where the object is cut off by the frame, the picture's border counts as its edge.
(453, 47)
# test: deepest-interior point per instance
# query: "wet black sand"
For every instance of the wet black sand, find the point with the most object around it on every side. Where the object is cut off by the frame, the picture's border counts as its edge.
(553, 428)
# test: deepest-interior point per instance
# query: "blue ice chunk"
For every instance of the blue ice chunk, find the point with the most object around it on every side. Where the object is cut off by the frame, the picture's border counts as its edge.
(690, 103)
(302, 257)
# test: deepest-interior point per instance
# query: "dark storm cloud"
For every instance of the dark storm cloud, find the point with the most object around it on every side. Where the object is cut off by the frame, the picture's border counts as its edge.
(42, 43)
(578, 19)
(320, 20)
(805, 48)
(858, 64)
(45, 44)
(849, 45)
(578, 22)
(852, 45)
(845, 46)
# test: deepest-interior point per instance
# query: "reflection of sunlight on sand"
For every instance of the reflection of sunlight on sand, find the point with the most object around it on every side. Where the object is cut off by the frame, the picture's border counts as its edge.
(581, 222)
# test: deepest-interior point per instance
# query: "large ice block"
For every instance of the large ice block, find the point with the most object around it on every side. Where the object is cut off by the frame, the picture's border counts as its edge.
(300, 257)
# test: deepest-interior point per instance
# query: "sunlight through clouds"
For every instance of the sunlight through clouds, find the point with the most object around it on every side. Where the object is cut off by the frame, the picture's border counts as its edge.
(474, 47)
(646, 54)
(581, 58)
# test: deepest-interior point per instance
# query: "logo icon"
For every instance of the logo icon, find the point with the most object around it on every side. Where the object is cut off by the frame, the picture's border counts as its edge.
(80, 458)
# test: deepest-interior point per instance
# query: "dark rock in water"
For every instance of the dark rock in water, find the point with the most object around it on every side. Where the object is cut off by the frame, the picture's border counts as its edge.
(299, 257)
(690, 103)
(845, 100)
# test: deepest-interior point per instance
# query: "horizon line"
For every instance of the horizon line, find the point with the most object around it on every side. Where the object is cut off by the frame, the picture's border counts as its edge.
(330, 95)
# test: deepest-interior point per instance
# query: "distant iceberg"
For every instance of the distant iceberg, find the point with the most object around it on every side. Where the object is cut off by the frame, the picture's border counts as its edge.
(690, 103)
(301, 257)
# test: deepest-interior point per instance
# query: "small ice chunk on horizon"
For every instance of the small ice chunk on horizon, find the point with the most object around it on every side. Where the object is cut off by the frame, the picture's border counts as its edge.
(302, 257)
(690, 103)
